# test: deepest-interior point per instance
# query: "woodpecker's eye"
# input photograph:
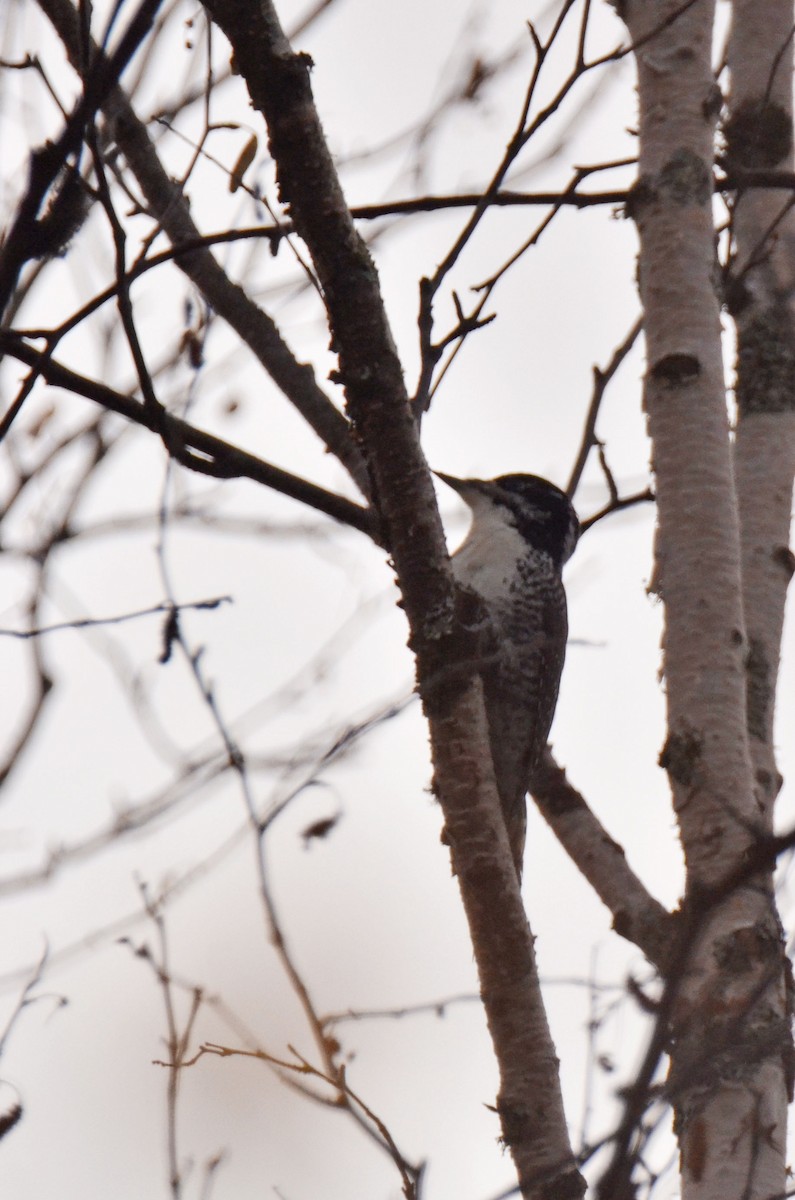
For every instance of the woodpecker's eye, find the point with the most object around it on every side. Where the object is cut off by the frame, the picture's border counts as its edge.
(542, 513)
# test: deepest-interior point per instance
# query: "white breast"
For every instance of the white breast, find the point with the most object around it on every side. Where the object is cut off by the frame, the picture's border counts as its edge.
(487, 559)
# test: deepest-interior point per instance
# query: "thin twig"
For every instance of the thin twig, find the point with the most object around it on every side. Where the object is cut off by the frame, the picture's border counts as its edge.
(601, 378)
(91, 622)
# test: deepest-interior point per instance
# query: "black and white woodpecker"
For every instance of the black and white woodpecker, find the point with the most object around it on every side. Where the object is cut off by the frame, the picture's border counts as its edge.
(523, 530)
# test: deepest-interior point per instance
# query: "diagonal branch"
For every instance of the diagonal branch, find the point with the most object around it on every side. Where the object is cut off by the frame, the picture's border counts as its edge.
(192, 447)
(637, 916)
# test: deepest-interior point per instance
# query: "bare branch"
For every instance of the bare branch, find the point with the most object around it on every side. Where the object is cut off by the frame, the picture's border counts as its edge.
(177, 1041)
(618, 504)
(637, 916)
(193, 448)
(601, 379)
(29, 237)
(254, 326)
(90, 622)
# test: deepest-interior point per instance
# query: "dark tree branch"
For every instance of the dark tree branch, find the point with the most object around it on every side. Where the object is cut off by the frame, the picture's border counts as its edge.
(29, 237)
(122, 618)
(192, 447)
(647, 496)
(601, 378)
(154, 408)
(499, 199)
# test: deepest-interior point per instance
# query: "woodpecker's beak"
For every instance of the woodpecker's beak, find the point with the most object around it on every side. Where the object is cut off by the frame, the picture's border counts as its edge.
(464, 487)
(458, 485)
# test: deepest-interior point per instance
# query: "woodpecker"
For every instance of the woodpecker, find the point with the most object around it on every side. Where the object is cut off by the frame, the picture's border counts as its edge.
(523, 530)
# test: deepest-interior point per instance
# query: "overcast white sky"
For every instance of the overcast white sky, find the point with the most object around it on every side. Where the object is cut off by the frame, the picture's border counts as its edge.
(371, 913)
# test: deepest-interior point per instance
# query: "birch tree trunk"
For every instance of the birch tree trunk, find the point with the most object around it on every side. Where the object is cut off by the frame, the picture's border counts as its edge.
(722, 590)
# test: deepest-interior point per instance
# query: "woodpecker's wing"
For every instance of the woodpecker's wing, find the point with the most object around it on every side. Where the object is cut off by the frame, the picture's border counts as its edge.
(521, 692)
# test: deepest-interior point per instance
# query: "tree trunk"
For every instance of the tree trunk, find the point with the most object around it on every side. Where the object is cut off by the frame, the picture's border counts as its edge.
(730, 1021)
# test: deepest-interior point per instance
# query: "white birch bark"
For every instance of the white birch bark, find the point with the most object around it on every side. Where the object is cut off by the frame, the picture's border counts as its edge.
(761, 298)
(726, 1081)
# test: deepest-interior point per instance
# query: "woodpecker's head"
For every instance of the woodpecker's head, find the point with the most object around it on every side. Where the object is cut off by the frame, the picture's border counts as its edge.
(541, 512)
